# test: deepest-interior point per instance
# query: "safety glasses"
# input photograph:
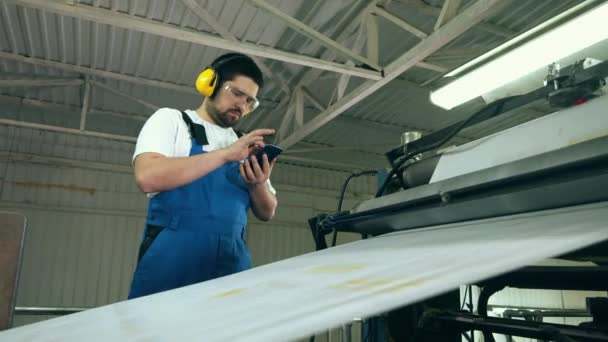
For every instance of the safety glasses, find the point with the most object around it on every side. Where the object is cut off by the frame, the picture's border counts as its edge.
(251, 103)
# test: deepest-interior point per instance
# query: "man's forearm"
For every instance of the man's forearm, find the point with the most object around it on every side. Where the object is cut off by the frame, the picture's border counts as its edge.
(159, 173)
(263, 202)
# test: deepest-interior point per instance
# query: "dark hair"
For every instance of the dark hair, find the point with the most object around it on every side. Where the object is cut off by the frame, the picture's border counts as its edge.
(233, 64)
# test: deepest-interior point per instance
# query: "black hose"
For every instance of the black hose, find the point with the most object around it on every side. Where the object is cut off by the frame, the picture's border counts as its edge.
(343, 192)
(446, 135)
(482, 306)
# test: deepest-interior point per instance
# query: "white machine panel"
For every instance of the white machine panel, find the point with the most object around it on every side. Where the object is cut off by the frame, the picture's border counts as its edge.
(552, 132)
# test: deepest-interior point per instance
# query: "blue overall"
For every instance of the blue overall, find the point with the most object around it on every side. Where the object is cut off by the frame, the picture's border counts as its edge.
(202, 231)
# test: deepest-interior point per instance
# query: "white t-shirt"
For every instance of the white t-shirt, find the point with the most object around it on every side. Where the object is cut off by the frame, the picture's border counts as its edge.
(167, 133)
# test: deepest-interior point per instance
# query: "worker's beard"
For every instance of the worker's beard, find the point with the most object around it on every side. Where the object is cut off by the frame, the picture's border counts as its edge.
(227, 118)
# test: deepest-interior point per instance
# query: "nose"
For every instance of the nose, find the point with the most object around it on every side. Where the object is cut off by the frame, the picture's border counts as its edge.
(242, 104)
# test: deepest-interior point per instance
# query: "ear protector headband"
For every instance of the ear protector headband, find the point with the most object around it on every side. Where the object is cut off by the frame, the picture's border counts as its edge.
(208, 79)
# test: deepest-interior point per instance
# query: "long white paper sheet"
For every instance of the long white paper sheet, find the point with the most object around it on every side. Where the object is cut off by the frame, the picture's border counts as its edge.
(296, 297)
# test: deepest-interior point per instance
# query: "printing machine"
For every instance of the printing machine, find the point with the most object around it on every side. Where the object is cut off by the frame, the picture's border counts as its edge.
(474, 214)
(557, 161)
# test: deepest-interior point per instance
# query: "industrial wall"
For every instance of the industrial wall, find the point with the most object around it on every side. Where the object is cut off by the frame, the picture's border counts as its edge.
(86, 216)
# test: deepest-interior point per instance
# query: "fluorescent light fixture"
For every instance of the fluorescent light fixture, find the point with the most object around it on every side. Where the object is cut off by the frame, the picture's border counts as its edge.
(577, 34)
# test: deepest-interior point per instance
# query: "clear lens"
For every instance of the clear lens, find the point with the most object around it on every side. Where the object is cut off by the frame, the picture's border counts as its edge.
(250, 101)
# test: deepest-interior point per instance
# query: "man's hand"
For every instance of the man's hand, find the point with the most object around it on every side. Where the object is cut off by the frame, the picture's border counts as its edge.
(248, 144)
(253, 173)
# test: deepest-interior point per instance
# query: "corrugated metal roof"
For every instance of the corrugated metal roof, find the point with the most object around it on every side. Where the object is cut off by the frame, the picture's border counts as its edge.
(398, 106)
(406, 105)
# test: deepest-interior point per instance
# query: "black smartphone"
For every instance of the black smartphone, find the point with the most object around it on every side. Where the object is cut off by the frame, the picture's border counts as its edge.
(272, 151)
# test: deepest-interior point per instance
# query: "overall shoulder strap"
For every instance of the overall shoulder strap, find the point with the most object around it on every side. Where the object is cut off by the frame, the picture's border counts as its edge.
(197, 131)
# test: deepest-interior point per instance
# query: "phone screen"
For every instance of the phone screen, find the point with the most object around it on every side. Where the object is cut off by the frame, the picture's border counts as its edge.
(272, 151)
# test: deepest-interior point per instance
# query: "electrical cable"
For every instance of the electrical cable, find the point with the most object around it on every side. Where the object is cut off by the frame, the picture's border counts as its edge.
(343, 192)
(452, 131)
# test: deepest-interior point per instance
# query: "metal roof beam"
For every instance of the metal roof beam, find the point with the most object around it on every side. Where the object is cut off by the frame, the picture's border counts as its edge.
(313, 74)
(204, 15)
(432, 66)
(460, 53)
(115, 137)
(287, 118)
(381, 11)
(39, 82)
(392, 128)
(56, 106)
(457, 26)
(134, 23)
(59, 129)
(86, 98)
(127, 96)
(448, 11)
(399, 22)
(97, 72)
(371, 7)
(373, 35)
(103, 74)
(485, 26)
(308, 31)
(312, 99)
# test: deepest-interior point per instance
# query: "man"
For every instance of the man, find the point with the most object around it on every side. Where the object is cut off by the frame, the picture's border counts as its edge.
(192, 166)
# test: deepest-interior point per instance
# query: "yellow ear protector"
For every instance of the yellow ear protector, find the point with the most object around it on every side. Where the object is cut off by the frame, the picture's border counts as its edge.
(206, 82)
(208, 79)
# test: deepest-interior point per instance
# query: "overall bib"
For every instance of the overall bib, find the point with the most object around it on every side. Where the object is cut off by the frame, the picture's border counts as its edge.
(195, 232)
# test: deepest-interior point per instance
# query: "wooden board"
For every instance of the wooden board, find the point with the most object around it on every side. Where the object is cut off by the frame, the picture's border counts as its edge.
(12, 233)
